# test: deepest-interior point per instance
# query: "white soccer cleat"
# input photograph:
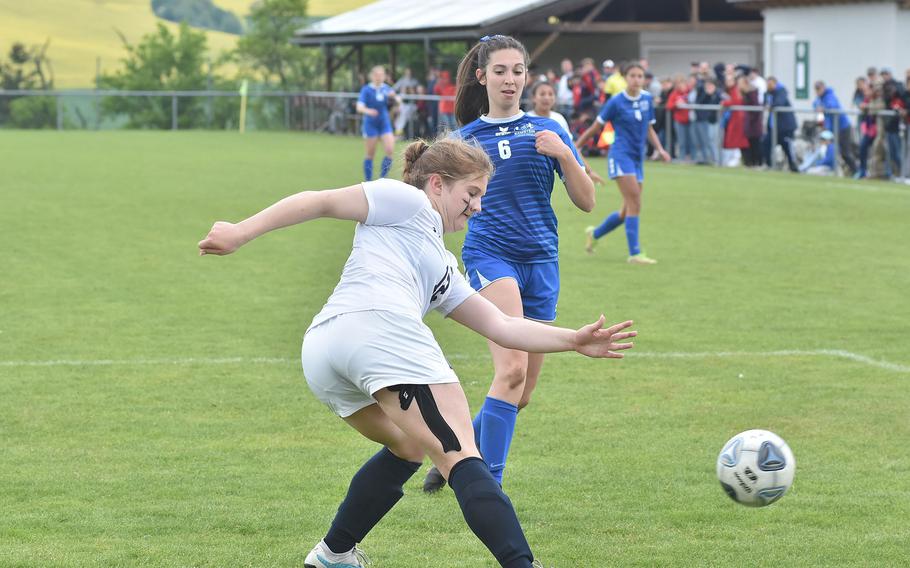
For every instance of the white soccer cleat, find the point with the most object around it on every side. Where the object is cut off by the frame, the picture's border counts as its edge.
(590, 241)
(320, 557)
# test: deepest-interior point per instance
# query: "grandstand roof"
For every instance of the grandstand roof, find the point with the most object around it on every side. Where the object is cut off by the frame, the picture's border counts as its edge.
(399, 20)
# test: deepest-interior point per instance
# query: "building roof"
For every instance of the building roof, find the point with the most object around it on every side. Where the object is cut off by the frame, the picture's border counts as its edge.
(403, 19)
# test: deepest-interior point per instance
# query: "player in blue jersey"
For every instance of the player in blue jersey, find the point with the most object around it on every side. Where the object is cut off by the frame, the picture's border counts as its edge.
(632, 115)
(511, 248)
(373, 104)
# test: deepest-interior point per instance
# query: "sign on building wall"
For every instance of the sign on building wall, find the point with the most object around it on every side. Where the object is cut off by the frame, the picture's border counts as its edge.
(801, 81)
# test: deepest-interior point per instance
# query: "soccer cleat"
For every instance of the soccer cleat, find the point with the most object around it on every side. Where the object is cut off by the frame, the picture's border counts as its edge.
(640, 258)
(319, 558)
(434, 481)
(590, 241)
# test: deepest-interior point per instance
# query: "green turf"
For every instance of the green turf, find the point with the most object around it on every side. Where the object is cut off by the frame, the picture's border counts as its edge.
(160, 460)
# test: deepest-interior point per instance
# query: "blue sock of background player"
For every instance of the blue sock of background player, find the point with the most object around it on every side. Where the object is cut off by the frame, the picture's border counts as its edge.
(632, 235)
(612, 221)
(386, 166)
(367, 169)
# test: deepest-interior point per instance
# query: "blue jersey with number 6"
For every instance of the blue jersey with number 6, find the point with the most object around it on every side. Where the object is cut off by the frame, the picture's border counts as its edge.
(516, 221)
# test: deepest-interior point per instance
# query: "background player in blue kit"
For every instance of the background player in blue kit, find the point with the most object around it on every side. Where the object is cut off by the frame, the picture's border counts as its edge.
(511, 248)
(632, 115)
(373, 104)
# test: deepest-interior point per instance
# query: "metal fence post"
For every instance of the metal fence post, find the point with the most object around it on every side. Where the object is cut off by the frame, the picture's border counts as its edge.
(59, 112)
(668, 126)
(773, 156)
(173, 112)
(835, 120)
(719, 143)
(287, 112)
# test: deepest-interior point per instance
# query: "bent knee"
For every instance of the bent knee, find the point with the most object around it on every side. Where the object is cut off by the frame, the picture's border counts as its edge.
(407, 449)
(512, 376)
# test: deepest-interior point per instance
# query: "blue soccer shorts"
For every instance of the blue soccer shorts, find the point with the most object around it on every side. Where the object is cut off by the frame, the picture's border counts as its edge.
(619, 165)
(538, 282)
(376, 126)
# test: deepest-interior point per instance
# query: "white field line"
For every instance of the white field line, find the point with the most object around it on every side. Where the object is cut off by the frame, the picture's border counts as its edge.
(825, 353)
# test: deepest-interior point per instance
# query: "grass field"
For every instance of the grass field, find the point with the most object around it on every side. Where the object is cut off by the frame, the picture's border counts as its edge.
(153, 411)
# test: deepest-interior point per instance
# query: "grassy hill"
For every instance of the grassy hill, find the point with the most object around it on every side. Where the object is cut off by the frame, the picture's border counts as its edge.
(81, 31)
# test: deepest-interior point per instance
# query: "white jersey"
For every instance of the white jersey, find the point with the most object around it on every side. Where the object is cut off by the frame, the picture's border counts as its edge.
(399, 262)
(559, 118)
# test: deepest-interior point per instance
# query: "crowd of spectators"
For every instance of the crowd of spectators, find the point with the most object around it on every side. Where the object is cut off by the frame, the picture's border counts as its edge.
(699, 119)
(702, 109)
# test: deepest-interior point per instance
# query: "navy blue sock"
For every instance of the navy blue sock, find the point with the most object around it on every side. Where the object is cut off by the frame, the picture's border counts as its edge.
(367, 169)
(489, 513)
(632, 235)
(612, 221)
(386, 166)
(497, 427)
(373, 492)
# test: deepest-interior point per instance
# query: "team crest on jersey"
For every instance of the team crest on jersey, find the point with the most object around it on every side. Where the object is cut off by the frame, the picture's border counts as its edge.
(645, 106)
(526, 129)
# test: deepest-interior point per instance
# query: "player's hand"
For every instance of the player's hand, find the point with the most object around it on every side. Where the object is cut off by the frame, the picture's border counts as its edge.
(371, 112)
(594, 341)
(595, 177)
(664, 155)
(550, 144)
(224, 238)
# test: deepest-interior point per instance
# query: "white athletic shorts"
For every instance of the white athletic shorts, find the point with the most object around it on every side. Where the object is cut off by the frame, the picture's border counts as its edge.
(351, 356)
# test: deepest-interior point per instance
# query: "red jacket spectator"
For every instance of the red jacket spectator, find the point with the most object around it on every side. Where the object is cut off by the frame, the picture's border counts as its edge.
(445, 88)
(677, 97)
(735, 135)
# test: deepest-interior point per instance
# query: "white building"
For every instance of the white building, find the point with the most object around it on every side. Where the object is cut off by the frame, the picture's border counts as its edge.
(834, 41)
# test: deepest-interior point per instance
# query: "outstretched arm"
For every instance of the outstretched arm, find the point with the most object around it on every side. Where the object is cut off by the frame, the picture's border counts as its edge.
(482, 316)
(654, 139)
(345, 203)
(592, 130)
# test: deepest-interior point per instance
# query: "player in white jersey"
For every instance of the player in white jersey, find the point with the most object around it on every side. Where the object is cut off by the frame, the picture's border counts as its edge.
(371, 359)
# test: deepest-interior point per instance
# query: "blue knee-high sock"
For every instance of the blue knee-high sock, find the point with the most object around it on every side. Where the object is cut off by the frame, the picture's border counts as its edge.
(612, 221)
(386, 165)
(373, 492)
(489, 513)
(368, 169)
(478, 422)
(632, 235)
(497, 425)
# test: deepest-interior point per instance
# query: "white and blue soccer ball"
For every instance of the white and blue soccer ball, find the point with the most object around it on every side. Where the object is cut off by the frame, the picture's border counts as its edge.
(756, 468)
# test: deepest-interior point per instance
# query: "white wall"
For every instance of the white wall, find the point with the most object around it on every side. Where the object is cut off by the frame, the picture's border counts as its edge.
(670, 53)
(843, 41)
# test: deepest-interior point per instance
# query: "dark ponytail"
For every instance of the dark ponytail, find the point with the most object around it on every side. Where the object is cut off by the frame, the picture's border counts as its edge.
(471, 99)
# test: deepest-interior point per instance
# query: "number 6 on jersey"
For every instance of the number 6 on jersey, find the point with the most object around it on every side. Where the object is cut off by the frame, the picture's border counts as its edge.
(505, 152)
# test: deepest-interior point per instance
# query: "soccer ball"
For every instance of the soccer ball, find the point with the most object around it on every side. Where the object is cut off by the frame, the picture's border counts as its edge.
(756, 468)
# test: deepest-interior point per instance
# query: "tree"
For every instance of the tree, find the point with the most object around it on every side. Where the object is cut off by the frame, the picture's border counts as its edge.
(162, 61)
(267, 47)
(27, 68)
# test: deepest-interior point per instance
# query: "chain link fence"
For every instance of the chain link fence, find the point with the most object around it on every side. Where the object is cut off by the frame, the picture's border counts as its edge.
(887, 154)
